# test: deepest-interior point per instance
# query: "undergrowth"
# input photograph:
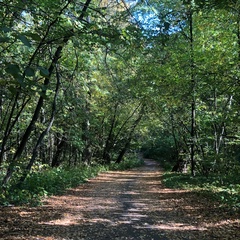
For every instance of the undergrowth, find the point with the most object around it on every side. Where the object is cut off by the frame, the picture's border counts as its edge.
(55, 181)
(223, 189)
(126, 164)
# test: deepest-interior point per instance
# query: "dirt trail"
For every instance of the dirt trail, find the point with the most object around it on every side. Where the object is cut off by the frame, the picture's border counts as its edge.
(121, 205)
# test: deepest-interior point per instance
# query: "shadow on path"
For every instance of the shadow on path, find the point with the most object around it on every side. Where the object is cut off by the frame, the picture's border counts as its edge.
(121, 205)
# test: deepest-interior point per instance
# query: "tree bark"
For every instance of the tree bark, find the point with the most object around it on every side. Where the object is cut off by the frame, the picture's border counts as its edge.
(127, 144)
(31, 126)
(193, 89)
(43, 134)
(56, 158)
(87, 152)
(10, 126)
(110, 142)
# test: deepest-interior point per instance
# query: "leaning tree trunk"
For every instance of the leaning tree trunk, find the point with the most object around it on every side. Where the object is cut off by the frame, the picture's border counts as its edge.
(31, 125)
(10, 125)
(43, 134)
(127, 144)
(110, 141)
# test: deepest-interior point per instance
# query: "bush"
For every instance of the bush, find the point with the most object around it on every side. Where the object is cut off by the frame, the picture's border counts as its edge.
(224, 189)
(128, 163)
(50, 181)
(45, 183)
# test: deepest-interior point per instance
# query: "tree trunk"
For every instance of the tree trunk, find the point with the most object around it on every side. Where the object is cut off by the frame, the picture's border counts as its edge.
(60, 147)
(193, 89)
(31, 126)
(127, 144)
(43, 134)
(123, 151)
(87, 153)
(110, 142)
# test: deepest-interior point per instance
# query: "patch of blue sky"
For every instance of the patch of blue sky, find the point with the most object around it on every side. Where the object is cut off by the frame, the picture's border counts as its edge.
(152, 25)
(148, 20)
(156, 18)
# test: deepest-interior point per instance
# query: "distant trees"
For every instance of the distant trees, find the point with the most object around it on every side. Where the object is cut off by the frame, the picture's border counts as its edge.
(193, 65)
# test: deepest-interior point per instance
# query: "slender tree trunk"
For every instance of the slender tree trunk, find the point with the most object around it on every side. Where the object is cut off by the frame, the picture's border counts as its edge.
(6, 132)
(31, 126)
(10, 126)
(193, 89)
(176, 144)
(123, 151)
(128, 141)
(109, 142)
(193, 139)
(44, 133)
(60, 147)
(87, 153)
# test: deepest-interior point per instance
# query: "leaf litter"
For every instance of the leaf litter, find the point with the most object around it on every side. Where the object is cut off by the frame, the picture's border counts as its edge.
(131, 204)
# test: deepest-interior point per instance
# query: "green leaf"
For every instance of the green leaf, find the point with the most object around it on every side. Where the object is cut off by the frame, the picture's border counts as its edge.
(6, 29)
(21, 81)
(34, 36)
(29, 72)
(12, 89)
(13, 69)
(24, 40)
(44, 71)
(4, 39)
(2, 82)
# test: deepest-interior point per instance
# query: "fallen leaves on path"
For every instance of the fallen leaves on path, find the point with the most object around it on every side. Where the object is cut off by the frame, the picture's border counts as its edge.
(122, 205)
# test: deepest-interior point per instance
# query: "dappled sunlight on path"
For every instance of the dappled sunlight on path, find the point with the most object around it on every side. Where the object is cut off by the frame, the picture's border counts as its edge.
(121, 205)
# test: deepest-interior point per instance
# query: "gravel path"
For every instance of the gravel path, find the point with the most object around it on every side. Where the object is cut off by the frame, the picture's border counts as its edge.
(121, 205)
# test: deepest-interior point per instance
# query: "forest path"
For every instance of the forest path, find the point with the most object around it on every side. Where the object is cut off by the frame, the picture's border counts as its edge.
(121, 205)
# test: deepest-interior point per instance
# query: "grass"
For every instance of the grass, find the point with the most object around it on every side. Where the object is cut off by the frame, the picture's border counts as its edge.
(224, 189)
(55, 181)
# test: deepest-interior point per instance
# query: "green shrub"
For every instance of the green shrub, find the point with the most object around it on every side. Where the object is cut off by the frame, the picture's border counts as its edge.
(224, 189)
(45, 183)
(128, 163)
(50, 181)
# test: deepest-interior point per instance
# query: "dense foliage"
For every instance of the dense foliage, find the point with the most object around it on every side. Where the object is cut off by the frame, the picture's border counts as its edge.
(195, 85)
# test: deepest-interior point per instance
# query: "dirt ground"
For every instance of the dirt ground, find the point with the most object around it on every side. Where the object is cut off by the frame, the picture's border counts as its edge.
(122, 205)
